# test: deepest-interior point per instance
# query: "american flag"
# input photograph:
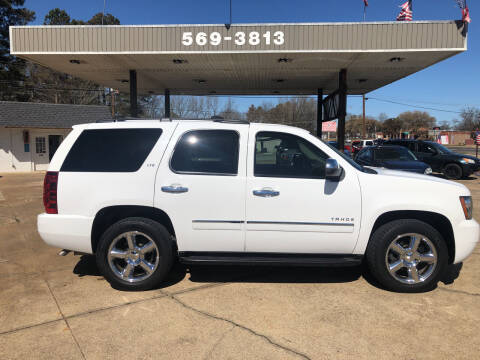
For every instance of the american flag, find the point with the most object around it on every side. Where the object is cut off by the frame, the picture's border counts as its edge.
(365, 2)
(406, 13)
(465, 12)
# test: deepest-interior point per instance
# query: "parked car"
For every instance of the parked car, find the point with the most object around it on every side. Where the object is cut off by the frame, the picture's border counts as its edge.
(141, 194)
(358, 145)
(347, 150)
(392, 157)
(440, 158)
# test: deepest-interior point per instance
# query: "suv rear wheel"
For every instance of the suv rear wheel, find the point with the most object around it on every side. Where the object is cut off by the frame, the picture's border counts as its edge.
(453, 171)
(407, 256)
(135, 254)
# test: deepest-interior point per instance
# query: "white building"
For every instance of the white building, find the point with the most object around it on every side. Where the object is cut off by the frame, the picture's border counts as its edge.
(30, 133)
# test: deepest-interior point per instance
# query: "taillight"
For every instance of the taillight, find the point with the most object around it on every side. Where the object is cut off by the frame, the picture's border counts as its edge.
(50, 192)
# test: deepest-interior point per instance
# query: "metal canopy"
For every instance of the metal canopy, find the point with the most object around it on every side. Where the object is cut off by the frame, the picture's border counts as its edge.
(285, 59)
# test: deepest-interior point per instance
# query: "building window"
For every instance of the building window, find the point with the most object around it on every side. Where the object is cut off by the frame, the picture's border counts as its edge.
(40, 147)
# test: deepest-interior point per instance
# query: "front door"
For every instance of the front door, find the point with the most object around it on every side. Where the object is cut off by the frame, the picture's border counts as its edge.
(53, 144)
(429, 155)
(291, 208)
(202, 187)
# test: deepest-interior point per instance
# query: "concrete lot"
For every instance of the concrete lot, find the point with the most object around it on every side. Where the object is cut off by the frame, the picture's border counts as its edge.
(60, 307)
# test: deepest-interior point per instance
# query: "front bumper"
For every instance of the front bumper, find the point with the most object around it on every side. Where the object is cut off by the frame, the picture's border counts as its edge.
(69, 232)
(469, 169)
(466, 238)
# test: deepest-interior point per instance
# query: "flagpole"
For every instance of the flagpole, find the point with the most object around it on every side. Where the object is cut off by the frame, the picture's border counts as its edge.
(364, 12)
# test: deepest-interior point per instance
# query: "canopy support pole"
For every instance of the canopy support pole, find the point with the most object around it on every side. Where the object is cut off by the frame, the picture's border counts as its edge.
(319, 112)
(167, 103)
(342, 111)
(133, 94)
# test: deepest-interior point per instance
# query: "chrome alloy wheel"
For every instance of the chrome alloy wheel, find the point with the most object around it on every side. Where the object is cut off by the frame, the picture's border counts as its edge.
(411, 258)
(133, 256)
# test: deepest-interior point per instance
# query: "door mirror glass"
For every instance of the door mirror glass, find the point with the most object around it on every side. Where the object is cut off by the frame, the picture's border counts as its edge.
(333, 171)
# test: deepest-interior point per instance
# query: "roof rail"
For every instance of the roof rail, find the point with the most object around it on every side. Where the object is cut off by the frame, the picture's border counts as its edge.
(228, 121)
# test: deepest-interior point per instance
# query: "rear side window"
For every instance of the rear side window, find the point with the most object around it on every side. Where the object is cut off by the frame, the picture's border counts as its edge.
(210, 152)
(111, 150)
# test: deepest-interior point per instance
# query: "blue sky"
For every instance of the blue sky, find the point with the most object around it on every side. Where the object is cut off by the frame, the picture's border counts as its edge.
(450, 85)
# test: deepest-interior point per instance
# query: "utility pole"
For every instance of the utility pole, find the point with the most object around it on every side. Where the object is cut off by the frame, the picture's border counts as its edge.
(364, 125)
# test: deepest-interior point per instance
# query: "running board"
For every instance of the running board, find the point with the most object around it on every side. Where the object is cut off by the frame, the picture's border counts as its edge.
(270, 259)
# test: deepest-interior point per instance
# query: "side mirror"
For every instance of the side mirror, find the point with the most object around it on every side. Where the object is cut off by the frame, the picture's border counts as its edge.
(333, 171)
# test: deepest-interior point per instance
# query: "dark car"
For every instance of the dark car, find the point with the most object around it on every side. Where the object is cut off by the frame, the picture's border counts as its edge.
(392, 157)
(441, 159)
(347, 150)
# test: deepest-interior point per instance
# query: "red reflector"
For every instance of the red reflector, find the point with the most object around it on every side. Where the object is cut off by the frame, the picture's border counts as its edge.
(50, 192)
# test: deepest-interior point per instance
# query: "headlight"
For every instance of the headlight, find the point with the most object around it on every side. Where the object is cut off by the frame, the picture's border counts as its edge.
(428, 171)
(467, 206)
(467, 161)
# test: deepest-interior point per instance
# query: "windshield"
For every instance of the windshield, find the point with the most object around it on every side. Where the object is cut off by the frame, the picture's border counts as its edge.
(439, 147)
(349, 159)
(399, 154)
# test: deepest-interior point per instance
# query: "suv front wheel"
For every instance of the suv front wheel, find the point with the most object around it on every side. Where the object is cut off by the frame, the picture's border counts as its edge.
(135, 254)
(407, 256)
(453, 171)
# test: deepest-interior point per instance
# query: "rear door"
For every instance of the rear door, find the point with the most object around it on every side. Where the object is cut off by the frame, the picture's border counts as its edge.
(201, 186)
(291, 208)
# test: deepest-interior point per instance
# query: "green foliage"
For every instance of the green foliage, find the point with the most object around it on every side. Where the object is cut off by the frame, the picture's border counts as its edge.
(57, 17)
(11, 68)
(108, 19)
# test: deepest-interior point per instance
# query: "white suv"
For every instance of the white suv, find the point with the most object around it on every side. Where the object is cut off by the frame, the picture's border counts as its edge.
(141, 194)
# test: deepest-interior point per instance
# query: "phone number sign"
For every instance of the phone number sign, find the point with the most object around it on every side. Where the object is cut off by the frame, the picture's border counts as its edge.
(239, 38)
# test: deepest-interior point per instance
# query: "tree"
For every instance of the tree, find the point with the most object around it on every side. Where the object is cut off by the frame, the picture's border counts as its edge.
(108, 19)
(354, 126)
(418, 122)
(55, 87)
(12, 69)
(392, 127)
(57, 17)
(470, 119)
(382, 117)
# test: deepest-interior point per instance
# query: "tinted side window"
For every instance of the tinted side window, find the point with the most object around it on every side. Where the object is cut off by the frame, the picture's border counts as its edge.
(425, 148)
(111, 150)
(365, 155)
(207, 152)
(286, 155)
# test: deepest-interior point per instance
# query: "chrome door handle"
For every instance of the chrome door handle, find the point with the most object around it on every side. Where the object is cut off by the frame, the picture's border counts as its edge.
(175, 189)
(266, 193)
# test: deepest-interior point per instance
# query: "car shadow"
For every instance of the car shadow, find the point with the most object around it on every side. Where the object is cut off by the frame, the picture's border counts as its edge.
(87, 266)
(441, 176)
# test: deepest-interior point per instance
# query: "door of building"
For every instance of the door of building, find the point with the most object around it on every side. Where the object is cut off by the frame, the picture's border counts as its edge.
(40, 153)
(53, 144)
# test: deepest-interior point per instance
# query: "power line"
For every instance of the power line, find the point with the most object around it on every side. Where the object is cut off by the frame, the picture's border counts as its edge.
(415, 106)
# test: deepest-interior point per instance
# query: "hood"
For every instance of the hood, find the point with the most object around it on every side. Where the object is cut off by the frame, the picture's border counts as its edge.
(405, 165)
(415, 176)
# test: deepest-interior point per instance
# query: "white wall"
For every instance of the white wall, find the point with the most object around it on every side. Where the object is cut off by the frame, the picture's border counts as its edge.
(12, 152)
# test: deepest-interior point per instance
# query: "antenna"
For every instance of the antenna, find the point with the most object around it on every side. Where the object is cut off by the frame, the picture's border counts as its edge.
(230, 21)
(103, 13)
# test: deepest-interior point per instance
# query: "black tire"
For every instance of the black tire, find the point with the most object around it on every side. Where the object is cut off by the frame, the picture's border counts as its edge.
(453, 171)
(157, 233)
(376, 255)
